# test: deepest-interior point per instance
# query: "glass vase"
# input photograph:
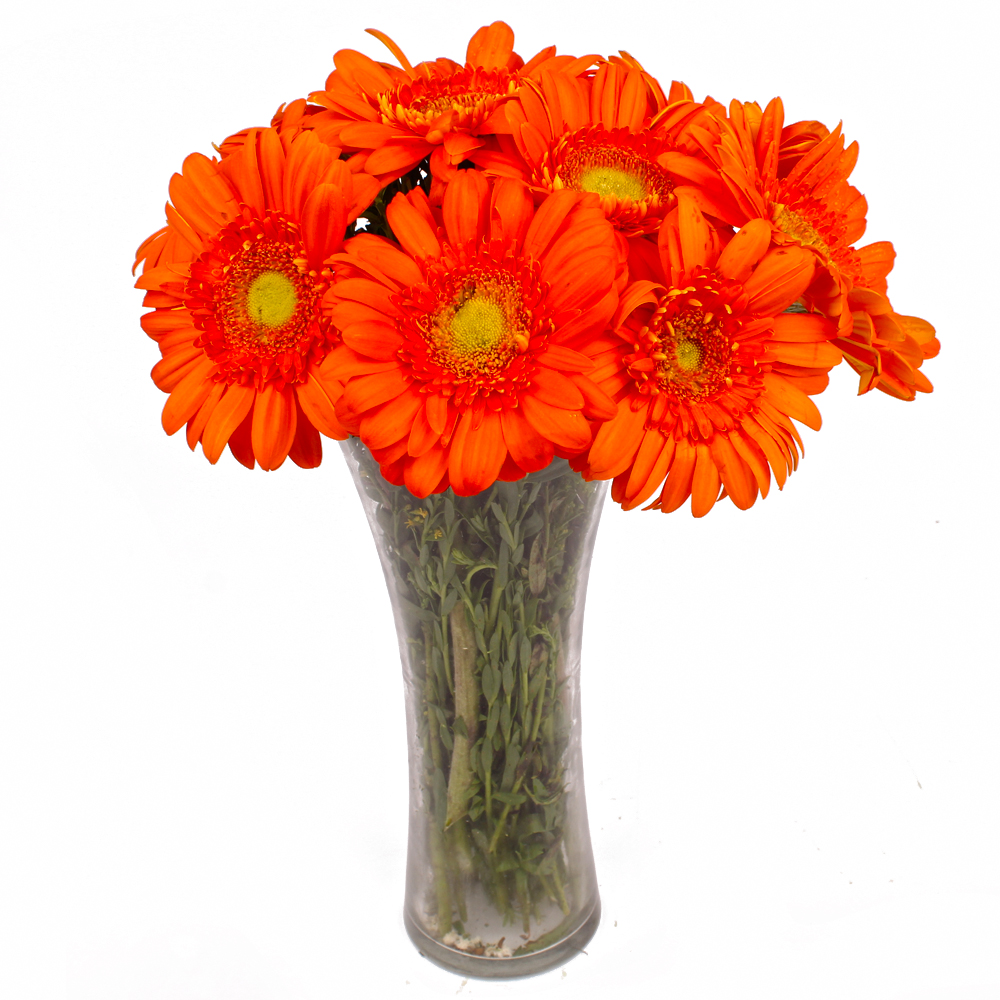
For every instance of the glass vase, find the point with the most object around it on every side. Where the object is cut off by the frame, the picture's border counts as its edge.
(488, 597)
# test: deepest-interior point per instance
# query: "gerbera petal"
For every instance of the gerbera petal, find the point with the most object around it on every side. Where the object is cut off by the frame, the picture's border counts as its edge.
(368, 134)
(740, 483)
(243, 171)
(705, 481)
(366, 391)
(565, 359)
(397, 157)
(648, 468)
(324, 219)
(422, 436)
(423, 473)
(168, 372)
(307, 165)
(230, 412)
(510, 211)
(476, 455)
(240, 444)
(386, 424)
(779, 279)
(367, 74)
(410, 228)
(465, 208)
(307, 448)
(529, 449)
(745, 250)
(491, 46)
(272, 162)
(385, 256)
(566, 428)
(437, 412)
(617, 441)
(547, 222)
(557, 390)
(376, 294)
(273, 428)
(196, 425)
(754, 458)
(317, 398)
(597, 404)
(677, 487)
(695, 234)
(792, 401)
(187, 397)
(374, 340)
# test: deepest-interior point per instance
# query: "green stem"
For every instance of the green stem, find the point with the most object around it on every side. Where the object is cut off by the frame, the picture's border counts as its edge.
(467, 709)
(442, 891)
(439, 860)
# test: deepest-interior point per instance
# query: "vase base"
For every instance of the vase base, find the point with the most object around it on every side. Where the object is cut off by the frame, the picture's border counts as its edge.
(512, 967)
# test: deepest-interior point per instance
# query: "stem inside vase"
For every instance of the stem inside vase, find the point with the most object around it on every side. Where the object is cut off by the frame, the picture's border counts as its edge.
(488, 594)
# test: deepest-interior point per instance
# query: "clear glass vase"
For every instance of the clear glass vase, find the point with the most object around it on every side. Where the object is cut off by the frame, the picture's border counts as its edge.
(488, 597)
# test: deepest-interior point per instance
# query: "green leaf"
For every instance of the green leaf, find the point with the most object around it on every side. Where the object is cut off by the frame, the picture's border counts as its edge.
(491, 683)
(505, 721)
(503, 562)
(446, 739)
(531, 525)
(536, 567)
(511, 798)
(508, 679)
(510, 766)
(487, 755)
(492, 719)
(414, 611)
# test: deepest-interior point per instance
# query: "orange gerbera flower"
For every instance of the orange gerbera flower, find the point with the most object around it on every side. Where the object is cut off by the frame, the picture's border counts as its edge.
(711, 369)
(615, 135)
(466, 347)
(236, 279)
(887, 349)
(404, 114)
(801, 189)
(796, 177)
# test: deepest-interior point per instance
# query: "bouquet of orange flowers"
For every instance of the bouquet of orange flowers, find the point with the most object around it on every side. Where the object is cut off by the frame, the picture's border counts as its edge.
(506, 281)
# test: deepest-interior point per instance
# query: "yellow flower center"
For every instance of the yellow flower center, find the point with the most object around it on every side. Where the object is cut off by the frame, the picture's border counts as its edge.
(689, 355)
(264, 301)
(433, 106)
(692, 353)
(271, 299)
(799, 228)
(471, 95)
(481, 329)
(478, 327)
(606, 164)
(604, 180)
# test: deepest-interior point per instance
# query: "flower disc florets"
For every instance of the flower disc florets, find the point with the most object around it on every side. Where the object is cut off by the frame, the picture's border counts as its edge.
(256, 305)
(811, 223)
(690, 353)
(468, 329)
(467, 97)
(620, 167)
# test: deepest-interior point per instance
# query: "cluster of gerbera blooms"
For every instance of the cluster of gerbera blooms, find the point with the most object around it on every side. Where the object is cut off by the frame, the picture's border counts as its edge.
(479, 267)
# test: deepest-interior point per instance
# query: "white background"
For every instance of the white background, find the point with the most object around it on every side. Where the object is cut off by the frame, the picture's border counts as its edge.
(790, 714)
